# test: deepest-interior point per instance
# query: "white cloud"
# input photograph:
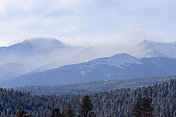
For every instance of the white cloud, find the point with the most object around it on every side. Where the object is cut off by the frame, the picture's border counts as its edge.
(7, 6)
(123, 37)
(83, 22)
(21, 19)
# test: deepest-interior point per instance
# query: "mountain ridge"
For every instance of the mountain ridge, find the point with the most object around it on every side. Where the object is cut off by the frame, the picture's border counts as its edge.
(154, 49)
(99, 69)
(33, 46)
(45, 55)
(35, 54)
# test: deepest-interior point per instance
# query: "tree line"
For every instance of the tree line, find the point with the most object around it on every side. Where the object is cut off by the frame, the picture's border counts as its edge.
(142, 108)
(85, 110)
(116, 103)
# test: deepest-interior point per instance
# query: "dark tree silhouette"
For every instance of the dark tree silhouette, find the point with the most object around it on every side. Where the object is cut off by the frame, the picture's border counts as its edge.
(143, 108)
(45, 115)
(91, 114)
(55, 113)
(64, 112)
(69, 111)
(85, 107)
(22, 113)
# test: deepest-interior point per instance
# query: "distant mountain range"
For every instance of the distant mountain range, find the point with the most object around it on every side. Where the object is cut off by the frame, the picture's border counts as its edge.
(32, 47)
(44, 61)
(36, 55)
(120, 66)
(22, 58)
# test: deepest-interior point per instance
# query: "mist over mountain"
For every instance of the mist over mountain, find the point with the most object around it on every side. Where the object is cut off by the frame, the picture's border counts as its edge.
(32, 47)
(37, 55)
(120, 66)
(11, 70)
(41, 54)
(87, 58)
(154, 49)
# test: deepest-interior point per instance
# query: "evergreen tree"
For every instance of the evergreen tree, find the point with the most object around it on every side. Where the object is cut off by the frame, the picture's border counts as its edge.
(55, 113)
(45, 114)
(21, 113)
(64, 112)
(85, 107)
(143, 108)
(91, 114)
(69, 112)
(116, 103)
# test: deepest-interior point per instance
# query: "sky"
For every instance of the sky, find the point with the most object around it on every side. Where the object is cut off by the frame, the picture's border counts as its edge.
(88, 22)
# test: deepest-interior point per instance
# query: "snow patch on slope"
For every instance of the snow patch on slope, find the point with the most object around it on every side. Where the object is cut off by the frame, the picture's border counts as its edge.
(154, 49)
(119, 60)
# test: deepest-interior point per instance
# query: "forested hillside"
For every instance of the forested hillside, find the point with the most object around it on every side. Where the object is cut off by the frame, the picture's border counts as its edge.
(94, 87)
(116, 103)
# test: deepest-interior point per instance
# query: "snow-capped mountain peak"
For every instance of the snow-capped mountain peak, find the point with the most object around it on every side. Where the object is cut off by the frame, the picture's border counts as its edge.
(44, 42)
(118, 60)
(154, 49)
(33, 46)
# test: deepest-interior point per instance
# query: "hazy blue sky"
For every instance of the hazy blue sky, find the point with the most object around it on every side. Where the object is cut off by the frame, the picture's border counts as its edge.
(88, 22)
